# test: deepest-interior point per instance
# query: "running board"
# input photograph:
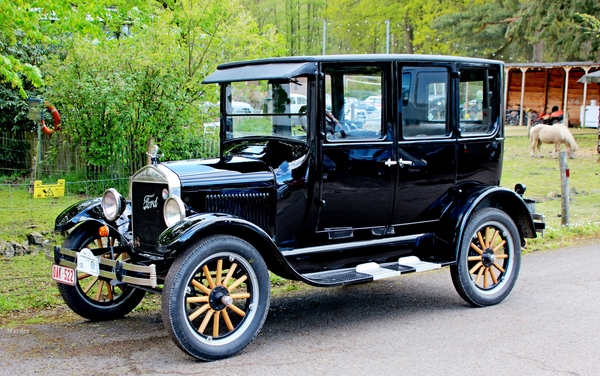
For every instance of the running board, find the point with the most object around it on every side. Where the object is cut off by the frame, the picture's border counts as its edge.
(370, 271)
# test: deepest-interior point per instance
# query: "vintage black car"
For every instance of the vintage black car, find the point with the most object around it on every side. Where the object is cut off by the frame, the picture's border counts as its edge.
(325, 193)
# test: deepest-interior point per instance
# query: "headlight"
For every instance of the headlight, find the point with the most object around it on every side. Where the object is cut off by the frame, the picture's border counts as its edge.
(173, 211)
(113, 204)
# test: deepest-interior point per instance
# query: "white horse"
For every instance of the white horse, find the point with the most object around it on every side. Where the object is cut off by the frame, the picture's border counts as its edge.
(552, 134)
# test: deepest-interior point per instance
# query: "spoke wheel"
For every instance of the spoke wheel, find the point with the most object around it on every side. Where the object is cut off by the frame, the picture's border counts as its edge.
(94, 298)
(216, 297)
(489, 258)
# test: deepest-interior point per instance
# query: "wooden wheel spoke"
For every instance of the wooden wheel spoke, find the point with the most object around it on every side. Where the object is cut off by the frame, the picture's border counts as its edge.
(99, 243)
(110, 291)
(476, 248)
(209, 314)
(229, 274)
(216, 324)
(236, 310)
(208, 277)
(502, 256)
(474, 258)
(488, 238)
(219, 272)
(499, 246)
(198, 312)
(227, 320)
(494, 278)
(485, 280)
(83, 276)
(89, 287)
(99, 292)
(499, 267)
(197, 299)
(237, 283)
(481, 242)
(494, 237)
(245, 295)
(479, 274)
(477, 266)
(201, 287)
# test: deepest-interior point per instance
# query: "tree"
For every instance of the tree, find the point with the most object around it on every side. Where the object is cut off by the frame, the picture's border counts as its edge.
(116, 92)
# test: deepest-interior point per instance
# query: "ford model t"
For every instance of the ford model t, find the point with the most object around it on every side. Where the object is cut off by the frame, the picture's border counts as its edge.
(339, 170)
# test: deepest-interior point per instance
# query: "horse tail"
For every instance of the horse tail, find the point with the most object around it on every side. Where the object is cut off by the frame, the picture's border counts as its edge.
(570, 140)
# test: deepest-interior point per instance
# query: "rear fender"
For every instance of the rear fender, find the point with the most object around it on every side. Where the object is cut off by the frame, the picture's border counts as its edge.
(180, 236)
(457, 217)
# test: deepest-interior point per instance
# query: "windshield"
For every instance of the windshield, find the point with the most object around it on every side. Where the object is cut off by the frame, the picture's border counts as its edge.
(266, 108)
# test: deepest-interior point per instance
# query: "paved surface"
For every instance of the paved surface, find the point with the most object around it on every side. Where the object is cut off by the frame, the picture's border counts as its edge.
(414, 324)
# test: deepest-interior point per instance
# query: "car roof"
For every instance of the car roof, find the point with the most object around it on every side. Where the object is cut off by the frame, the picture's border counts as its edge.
(293, 66)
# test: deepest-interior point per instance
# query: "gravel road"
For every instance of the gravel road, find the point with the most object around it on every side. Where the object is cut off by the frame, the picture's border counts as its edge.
(414, 324)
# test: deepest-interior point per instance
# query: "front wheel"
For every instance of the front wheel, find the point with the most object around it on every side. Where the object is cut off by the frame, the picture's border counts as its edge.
(94, 298)
(216, 297)
(489, 258)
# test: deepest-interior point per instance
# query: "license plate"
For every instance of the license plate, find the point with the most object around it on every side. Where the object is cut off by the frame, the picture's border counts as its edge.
(64, 275)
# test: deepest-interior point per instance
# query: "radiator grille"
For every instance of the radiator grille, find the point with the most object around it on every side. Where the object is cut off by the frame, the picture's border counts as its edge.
(253, 207)
(147, 211)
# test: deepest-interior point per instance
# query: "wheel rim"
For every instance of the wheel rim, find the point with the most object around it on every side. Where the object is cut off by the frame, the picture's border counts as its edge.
(98, 290)
(490, 257)
(221, 297)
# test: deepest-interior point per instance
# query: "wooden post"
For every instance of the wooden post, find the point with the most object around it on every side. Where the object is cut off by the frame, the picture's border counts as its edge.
(566, 98)
(522, 103)
(564, 186)
(149, 146)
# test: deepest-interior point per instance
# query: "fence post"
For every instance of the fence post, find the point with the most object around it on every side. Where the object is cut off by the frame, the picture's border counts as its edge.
(564, 186)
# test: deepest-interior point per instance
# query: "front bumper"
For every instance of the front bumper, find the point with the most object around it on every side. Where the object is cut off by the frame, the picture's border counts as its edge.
(122, 272)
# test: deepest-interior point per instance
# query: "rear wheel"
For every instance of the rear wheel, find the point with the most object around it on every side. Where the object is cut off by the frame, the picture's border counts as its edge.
(216, 297)
(94, 298)
(489, 259)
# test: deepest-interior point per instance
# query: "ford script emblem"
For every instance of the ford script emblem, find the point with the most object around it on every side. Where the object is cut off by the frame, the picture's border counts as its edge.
(150, 202)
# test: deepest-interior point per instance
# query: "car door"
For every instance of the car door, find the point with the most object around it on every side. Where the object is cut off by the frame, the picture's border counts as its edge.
(357, 181)
(425, 149)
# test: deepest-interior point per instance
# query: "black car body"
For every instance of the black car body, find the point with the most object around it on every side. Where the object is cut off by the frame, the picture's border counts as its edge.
(312, 193)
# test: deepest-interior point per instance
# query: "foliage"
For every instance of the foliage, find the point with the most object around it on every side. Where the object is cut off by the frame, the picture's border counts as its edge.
(116, 93)
(557, 23)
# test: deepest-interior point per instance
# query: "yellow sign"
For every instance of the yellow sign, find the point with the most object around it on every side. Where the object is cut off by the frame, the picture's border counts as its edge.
(49, 190)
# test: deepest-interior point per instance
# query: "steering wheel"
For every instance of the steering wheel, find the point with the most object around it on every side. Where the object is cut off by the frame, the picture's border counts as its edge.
(334, 125)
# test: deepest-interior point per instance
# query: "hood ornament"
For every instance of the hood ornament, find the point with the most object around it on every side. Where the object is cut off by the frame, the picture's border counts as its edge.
(154, 155)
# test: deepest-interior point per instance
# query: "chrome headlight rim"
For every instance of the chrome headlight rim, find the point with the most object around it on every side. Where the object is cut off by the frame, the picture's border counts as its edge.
(113, 204)
(173, 210)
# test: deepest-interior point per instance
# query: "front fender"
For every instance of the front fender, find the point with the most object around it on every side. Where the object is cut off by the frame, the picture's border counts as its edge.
(91, 210)
(79, 212)
(180, 236)
(456, 218)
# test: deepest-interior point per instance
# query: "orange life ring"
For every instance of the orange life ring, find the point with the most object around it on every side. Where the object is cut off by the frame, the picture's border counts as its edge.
(55, 120)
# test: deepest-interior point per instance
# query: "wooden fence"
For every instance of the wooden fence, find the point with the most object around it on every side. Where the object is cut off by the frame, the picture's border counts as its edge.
(19, 151)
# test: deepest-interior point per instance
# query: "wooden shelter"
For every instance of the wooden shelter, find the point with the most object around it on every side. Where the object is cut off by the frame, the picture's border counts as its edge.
(540, 86)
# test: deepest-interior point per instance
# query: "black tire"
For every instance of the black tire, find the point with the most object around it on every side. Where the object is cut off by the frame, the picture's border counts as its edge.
(93, 297)
(489, 258)
(196, 291)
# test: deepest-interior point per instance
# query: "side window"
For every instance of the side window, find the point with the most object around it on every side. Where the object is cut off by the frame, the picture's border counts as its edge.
(424, 102)
(353, 103)
(475, 99)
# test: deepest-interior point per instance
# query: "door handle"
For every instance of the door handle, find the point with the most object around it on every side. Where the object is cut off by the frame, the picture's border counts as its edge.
(402, 162)
(405, 163)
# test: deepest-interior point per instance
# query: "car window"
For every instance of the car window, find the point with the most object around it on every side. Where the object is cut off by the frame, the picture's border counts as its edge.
(475, 101)
(424, 109)
(353, 97)
(267, 108)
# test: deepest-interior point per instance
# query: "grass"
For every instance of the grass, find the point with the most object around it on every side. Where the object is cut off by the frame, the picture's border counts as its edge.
(28, 295)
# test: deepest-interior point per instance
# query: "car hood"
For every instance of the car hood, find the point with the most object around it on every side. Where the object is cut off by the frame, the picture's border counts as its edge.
(223, 172)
